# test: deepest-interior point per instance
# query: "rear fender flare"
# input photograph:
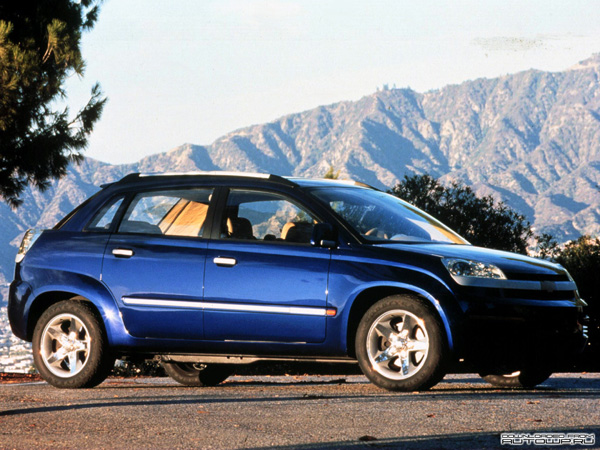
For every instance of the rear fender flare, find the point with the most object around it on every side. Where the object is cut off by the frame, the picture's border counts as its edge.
(76, 285)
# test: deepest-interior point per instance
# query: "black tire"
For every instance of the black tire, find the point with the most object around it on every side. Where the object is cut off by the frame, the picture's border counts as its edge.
(527, 378)
(191, 374)
(70, 348)
(401, 344)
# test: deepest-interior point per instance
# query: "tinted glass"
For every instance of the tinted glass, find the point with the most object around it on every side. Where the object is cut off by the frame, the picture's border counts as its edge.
(265, 216)
(102, 221)
(172, 213)
(381, 217)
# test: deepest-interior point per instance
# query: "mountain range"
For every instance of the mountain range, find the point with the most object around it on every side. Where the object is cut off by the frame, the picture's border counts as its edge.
(530, 139)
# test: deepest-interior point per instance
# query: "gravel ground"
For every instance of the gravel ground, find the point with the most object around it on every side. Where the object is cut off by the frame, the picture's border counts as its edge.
(289, 412)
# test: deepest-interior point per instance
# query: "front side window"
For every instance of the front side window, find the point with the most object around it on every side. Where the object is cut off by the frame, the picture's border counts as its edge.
(180, 212)
(381, 217)
(256, 215)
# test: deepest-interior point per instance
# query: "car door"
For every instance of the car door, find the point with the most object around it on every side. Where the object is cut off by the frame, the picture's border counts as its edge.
(264, 281)
(154, 263)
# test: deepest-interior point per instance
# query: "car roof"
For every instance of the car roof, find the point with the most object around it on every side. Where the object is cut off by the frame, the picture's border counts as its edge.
(325, 182)
(135, 178)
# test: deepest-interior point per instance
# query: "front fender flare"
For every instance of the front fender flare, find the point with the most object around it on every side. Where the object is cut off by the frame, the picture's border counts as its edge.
(442, 301)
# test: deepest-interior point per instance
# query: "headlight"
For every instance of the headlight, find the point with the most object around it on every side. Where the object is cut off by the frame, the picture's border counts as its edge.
(477, 269)
(578, 300)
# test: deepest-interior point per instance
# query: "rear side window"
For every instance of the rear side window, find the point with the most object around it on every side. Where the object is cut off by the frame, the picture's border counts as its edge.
(179, 212)
(103, 219)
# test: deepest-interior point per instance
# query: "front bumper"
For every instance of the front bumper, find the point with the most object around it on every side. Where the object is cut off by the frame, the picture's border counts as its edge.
(516, 334)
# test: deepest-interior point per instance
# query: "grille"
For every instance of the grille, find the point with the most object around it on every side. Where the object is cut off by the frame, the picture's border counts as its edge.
(536, 277)
(538, 295)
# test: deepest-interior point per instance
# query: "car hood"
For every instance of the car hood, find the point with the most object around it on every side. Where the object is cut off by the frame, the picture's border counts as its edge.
(508, 262)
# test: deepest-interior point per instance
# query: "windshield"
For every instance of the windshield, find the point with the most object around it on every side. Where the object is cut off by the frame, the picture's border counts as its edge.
(381, 217)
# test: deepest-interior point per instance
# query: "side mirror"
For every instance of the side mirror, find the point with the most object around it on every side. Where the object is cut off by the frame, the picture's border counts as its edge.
(324, 235)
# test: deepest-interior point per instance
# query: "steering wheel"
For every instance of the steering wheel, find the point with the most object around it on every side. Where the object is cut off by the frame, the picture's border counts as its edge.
(375, 232)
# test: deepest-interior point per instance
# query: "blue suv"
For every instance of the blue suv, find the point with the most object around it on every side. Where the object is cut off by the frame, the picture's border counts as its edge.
(205, 271)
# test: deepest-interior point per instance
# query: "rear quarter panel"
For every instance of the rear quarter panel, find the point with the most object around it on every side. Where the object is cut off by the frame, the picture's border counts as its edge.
(62, 265)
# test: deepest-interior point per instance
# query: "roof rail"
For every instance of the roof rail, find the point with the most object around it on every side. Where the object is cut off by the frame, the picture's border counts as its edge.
(216, 173)
(208, 173)
(348, 182)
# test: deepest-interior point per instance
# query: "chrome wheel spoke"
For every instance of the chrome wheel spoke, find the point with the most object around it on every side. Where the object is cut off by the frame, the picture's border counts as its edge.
(79, 329)
(383, 357)
(404, 362)
(383, 330)
(65, 345)
(414, 325)
(397, 344)
(73, 362)
(57, 357)
(73, 326)
(419, 345)
(83, 346)
(55, 333)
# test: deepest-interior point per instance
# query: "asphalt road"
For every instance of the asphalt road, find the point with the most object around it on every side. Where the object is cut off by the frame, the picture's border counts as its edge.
(303, 412)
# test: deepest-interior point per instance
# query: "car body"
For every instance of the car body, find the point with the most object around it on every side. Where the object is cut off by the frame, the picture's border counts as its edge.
(212, 269)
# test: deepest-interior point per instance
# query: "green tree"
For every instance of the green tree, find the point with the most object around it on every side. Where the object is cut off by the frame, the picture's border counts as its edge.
(39, 49)
(331, 174)
(480, 220)
(546, 246)
(582, 259)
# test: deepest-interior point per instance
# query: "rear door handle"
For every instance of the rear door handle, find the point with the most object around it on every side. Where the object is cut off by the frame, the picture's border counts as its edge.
(122, 252)
(226, 262)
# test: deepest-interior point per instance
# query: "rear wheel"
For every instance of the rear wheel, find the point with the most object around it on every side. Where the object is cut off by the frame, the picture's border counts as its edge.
(70, 349)
(400, 344)
(526, 378)
(195, 374)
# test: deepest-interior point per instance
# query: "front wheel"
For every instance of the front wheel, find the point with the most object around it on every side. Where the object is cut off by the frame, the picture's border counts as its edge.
(400, 344)
(70, 349)
(195, 374)
(526, 378)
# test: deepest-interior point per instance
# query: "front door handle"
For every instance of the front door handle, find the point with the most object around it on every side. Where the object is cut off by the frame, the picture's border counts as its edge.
(122, 252)
(225, 262)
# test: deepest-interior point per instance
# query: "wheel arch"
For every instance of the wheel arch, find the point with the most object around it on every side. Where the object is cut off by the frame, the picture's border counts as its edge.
(369, 296)
(92, 293)
(40, 304)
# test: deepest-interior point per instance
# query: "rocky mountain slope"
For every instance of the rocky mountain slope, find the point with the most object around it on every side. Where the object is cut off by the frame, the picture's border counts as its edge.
(531, 139)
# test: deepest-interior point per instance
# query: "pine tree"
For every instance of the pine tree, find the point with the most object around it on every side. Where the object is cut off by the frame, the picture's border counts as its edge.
(39, 49)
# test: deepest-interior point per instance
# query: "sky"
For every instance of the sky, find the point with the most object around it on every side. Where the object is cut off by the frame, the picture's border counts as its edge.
(190, 71)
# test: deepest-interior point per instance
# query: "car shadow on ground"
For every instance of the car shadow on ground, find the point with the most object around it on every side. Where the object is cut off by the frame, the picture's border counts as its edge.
(463, 389)
(483, 440)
